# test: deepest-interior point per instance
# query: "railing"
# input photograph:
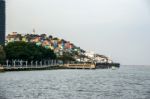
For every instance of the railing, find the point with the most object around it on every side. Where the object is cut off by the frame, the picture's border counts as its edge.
(20, 64)
(45, 64)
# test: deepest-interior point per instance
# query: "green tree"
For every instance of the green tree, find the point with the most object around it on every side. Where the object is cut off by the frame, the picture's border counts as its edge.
(67, 57)
(2, 55)
(27, 51)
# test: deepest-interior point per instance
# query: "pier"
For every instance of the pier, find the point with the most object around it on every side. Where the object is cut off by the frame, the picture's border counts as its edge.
(30, 68)
(79, 66)
(19, 65)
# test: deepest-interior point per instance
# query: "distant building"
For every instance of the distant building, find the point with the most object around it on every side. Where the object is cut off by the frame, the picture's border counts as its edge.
(2, 21)
(90, 54)
(58, 45)
(14, 36)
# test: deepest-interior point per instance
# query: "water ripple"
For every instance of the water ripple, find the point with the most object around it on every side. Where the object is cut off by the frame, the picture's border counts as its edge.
(124, 83)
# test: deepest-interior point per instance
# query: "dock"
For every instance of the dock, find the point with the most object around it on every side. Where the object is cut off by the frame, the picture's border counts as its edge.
(79, 66)
(56, 65)
(19, 65)
(30, 68)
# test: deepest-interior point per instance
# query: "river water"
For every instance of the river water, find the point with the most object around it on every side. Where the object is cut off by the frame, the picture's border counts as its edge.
(127, 82)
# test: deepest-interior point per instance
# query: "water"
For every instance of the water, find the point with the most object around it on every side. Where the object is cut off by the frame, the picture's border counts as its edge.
(127, 82)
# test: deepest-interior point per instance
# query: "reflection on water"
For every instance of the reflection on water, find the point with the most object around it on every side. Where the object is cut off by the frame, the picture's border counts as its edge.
(127, 82)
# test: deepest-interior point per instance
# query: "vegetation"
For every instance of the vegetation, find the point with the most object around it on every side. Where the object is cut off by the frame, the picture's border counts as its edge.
(66, 57)
(2, 55)
(27, 51)
(30, 51)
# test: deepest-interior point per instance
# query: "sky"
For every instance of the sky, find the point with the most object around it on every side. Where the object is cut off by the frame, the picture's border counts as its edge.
(119, 29)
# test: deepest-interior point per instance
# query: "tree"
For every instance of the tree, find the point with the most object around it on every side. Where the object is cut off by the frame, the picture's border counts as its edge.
(27, 51)
(66, 57)
(2, 55)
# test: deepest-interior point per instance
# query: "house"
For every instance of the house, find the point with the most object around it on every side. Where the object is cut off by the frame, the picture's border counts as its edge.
(14, 36)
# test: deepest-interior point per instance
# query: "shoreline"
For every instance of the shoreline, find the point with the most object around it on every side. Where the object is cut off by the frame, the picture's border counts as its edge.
(65, 66)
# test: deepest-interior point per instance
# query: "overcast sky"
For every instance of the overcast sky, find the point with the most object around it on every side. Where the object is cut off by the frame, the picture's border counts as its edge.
(116, 28)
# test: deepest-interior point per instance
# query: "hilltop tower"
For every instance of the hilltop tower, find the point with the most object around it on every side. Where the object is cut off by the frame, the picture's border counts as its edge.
(2, 21)
(33, 32)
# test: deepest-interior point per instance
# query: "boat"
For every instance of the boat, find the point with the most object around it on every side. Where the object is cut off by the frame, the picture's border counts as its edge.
(113, 67)
(107, 65)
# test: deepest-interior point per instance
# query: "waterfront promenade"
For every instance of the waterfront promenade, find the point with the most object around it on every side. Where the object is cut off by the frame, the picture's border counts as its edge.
(43, 65)
(19, 65)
